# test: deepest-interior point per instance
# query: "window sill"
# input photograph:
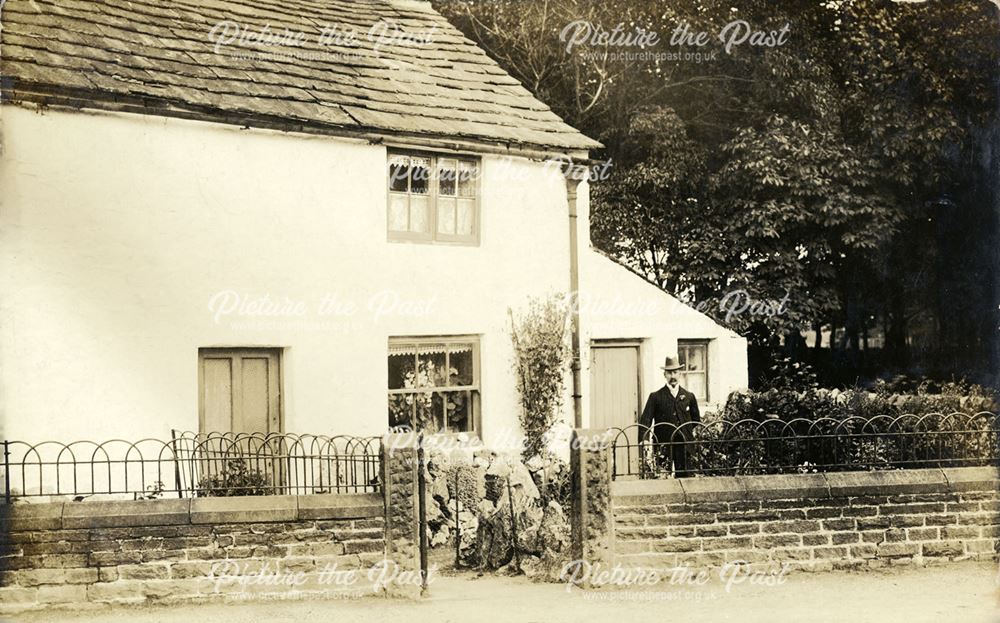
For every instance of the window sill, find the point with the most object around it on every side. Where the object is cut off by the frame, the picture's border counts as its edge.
(434, 243)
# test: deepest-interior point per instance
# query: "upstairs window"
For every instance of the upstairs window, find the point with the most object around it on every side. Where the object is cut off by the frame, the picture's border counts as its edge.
(433, 198)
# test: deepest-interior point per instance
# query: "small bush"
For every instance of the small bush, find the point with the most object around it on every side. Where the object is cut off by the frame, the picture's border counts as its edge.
(467, 490)
(850, 429)
(236, 478)
(541, 360)
(785, 404)
(786, 374)
(553, 478)
(153, 492)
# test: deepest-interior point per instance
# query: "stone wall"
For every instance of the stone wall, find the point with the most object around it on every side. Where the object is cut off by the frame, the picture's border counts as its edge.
(850, 520)
(185, 550)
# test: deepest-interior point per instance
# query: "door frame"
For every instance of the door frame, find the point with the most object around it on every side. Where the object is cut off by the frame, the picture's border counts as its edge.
(231, 352)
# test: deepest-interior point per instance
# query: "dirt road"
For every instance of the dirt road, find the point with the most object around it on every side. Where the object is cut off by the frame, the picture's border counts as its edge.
(964, 593)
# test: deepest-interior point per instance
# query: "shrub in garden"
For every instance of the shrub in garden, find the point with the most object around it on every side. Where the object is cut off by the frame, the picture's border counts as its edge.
(236, 478)
(790, 375)
(541, 360)
(553, 478)
(762, 431)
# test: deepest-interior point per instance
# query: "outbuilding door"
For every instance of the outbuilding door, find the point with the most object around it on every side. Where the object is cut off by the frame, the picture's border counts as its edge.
(239, 390)
(614, 396)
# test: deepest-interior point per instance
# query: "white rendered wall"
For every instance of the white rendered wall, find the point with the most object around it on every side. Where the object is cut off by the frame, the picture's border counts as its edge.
(116, 231)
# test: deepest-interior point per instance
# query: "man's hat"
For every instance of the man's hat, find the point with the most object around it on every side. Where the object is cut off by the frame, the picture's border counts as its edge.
(671, 363)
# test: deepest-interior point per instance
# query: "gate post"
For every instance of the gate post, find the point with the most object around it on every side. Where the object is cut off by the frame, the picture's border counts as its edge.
(400, 485)
(592, 522)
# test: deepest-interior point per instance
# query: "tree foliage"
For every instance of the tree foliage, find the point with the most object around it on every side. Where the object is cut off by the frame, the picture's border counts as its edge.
(849, 168)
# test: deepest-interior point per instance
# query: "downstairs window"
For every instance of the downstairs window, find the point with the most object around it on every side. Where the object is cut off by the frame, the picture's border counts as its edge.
(434, 383)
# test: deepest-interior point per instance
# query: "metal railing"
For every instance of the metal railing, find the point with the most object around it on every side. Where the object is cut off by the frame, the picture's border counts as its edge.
(193, 465)
(773, 446)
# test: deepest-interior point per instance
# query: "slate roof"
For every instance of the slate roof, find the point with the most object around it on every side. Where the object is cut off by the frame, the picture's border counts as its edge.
(424, 80)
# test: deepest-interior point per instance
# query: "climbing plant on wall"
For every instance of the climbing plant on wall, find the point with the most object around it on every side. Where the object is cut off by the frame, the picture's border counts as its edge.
(541, 360)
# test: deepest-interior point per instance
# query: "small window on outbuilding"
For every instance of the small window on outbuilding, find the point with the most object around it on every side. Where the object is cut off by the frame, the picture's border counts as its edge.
(693, 355)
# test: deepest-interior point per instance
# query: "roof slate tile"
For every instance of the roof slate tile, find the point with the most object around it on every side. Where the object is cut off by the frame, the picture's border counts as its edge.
(95, 53)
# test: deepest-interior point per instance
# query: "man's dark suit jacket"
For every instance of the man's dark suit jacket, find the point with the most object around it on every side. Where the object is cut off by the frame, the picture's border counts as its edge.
(663, 408)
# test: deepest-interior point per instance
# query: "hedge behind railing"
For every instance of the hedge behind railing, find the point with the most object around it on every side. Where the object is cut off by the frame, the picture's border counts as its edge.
(774, 446)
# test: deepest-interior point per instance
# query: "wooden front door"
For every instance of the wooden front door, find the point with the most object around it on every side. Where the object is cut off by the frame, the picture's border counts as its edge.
(240, 390)
(615, 400)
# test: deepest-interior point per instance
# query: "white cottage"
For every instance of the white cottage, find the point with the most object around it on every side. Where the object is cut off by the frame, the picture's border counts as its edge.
(252, 216)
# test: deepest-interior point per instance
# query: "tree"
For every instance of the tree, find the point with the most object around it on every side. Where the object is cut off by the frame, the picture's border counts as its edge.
(926, 112)
(848, 167)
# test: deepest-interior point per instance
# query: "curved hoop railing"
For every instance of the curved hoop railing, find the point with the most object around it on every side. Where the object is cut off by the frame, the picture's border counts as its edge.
(193, 464)
(284, 463)
(774, 446)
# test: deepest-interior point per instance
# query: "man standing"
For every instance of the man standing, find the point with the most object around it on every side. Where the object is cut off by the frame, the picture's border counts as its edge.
(669, 412)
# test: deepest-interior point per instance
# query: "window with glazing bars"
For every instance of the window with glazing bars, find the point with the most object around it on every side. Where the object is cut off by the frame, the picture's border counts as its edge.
(433, 198)
(434, 383)
(693, 355)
